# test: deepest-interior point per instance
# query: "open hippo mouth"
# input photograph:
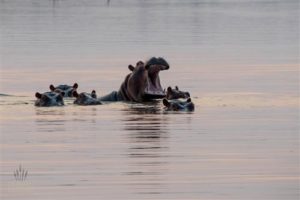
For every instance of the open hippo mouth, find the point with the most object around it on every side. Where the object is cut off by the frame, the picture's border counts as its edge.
(153, 89)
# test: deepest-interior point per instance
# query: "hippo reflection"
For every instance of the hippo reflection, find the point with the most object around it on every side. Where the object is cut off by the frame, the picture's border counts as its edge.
(176, 93)
(142, 84)
(67, 89)
(86, 98)
(49, 99)
(179, 105)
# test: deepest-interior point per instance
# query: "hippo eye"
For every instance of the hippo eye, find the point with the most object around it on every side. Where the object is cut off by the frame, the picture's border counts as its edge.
(44, 98)
(57, 90)
(82, 97)
(183, 95)
(59, 98)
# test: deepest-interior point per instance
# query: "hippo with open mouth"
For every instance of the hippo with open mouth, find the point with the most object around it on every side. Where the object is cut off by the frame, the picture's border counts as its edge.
(179, 105)
(49, 99)
(86, 99)
(67, 89)
(176, 94)
(142, 84)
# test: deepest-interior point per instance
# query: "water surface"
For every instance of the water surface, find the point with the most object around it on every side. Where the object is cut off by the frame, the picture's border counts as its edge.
(238, 59)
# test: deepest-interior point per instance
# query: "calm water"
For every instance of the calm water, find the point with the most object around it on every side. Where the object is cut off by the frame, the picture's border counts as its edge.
(238, 59)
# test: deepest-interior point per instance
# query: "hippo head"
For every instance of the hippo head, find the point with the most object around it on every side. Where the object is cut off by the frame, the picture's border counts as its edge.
(144, 82)
(178, 105)
(176, 93)
(86, 98)
(49, 99)
(67, 89)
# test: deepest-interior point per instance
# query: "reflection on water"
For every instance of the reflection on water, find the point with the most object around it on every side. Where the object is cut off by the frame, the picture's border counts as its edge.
(144, 153)
(61, 119)
(50, 120)
(85, 114)
(147, 136)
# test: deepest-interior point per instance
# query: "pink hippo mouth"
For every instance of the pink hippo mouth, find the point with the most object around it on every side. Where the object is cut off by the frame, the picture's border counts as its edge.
(153, 88)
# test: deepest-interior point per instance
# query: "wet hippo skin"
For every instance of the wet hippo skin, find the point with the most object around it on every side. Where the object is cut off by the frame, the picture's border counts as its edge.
(67, 89)
(176, 93)
(142, 84)
(86, 99)
(49, 99)
(179, 105)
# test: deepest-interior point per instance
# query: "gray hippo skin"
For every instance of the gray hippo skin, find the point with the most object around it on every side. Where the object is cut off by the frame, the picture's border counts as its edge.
(142, 84)
(49, 99)
(176, 94)
(67, 89)
(85, 99)
(179, 105)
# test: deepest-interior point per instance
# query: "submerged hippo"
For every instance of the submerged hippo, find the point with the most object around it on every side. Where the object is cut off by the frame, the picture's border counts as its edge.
(179, 105)
(85, 99)
(49, 99)
(67, 89)
(142, 84)
(176, 93)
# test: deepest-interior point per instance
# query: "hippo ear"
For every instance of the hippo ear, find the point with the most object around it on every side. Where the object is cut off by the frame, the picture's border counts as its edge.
(188, 94)
(176, 88)
(93, 94)
(130, 67)
(52, 88)
(189, 100)
(75, 94)
(166, 102)
(75, 86)
(169, 89)
(38, 95)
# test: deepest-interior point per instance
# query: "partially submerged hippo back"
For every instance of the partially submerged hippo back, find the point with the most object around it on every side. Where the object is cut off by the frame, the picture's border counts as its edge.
(179, 105)
(176, 93)
(67, 89)
(142, 84)
(86, 98)
(49, 99)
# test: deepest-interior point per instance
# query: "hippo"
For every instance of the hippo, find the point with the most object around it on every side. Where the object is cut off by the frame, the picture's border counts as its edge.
(49, 99)
(67, 89)
(176, 93)
(85, 99)
(178, 105)
(142, 84)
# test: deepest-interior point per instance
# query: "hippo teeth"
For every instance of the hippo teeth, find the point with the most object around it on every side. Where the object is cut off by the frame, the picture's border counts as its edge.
(154, 92)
